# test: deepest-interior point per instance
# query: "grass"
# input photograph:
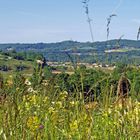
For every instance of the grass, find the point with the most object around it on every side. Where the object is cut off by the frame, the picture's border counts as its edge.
(12, 63)
(45, 112)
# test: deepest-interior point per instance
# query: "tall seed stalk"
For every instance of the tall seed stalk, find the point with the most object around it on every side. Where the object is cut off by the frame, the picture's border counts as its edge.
(118, 45)
(108, 24)
(109, 19)
(138, 33)
(89, 20)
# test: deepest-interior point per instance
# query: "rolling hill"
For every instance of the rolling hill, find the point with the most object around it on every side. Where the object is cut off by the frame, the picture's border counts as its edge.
(126, 51)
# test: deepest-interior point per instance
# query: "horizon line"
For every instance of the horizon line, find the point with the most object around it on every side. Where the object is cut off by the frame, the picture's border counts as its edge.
(41, 42)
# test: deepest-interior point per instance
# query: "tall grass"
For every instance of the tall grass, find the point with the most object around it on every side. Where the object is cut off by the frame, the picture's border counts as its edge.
(89, 20)
(138, 34)
(108, 24)
(48, 113)
(38, 109)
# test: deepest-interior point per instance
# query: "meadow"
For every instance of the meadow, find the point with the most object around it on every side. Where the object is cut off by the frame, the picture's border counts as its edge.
(81, 106)
(38, 103)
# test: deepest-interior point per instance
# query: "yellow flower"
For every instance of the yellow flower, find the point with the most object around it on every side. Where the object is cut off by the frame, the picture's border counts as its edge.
(72, 103)
(17, 89)
(33, 99)
(27, 105)
(59, 104)
(51, 110)
(33, 123)
(74, 125)
(109, 110)
(45, 99)
(9, 82)
(63, 95)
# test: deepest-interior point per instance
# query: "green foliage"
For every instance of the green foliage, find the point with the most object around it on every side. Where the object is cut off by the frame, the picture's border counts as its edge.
(47, 72)
(27, 56)
(68, 105)
(128, 52)
(48, 111)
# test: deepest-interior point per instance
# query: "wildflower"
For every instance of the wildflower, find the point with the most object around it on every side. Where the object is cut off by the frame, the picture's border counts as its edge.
(109, 111)
(72, 103)
(74, 125)
(63, 95)
(10, 76)
(33, 99)
(27, 82)
(136, 114)
(9, 82)
(91, 105)
(1, 131)
(17, 89)
(41, 126)
(59, 104)
(45, 99)
(53, 103)
(4, 137)
(46, 118)
(27, 105)
(33, 123)
(45, 82)
(31, 90)
(137, 103)
(51, 110)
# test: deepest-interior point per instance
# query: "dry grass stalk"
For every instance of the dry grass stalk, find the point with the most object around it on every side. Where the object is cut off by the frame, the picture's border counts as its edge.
(89, 20)
(1, 84)
(123, 90)
(138, 34)
(2, 99)
(108, 24)
(118, 45)
(91, 105)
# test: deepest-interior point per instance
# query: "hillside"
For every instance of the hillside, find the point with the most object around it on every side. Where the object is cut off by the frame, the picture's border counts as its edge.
(10, 65)
(112, 51)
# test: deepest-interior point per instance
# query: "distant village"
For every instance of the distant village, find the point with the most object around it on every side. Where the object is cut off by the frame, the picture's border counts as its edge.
(68, 65)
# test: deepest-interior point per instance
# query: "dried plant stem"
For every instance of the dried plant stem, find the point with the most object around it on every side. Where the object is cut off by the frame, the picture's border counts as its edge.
(118, 45)
(138, 34)
(89, 20)
(90, 28)
(108, 24)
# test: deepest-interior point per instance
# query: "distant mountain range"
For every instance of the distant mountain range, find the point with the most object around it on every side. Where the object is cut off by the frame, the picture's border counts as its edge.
(112, 51)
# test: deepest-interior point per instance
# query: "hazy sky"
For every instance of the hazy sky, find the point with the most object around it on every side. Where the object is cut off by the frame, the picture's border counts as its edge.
(58, 20)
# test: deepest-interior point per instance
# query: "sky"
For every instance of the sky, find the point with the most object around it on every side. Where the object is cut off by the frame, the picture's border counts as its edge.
(33, 21)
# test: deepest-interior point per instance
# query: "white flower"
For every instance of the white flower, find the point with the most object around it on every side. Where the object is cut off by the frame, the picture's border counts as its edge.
(31, 90)
(27, 82)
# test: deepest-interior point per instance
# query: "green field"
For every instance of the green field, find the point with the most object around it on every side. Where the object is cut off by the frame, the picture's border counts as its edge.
(122, 50)
(81, 105)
